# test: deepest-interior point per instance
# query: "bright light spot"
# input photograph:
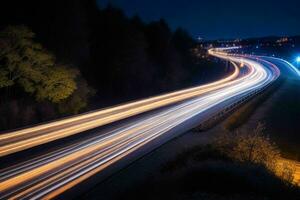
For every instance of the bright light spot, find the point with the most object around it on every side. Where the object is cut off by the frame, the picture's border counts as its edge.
(298, 59)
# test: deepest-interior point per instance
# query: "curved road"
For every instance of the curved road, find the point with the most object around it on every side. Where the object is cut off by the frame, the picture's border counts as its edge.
(55, 172)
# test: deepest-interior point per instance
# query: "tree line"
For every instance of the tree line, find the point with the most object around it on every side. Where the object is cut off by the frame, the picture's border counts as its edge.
(60, 53)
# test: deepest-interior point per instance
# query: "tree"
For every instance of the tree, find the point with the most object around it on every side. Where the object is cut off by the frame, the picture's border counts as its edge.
(26, 64)
(119, 61)
(59, 84)
(78, 100)
(256, 148)
(252, 147)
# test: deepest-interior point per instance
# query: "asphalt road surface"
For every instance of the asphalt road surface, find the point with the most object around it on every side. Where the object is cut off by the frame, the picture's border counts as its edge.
(56, 171)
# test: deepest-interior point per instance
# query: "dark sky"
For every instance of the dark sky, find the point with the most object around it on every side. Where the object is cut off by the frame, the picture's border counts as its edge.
(212, 19)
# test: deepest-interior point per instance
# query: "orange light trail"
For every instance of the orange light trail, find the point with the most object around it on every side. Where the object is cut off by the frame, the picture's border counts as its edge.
(51, 174)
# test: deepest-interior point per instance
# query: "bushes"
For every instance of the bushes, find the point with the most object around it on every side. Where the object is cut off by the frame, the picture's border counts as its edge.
(31, 80)
(285, 170)
(235, 166)
(251, 147)
(26, 64)
(254, 147)
(241, 116)
(204, 172)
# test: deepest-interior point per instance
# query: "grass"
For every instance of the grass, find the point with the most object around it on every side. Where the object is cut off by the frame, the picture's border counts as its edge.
(197, 153)
(283, 120)
(203, 173)
(242, 114)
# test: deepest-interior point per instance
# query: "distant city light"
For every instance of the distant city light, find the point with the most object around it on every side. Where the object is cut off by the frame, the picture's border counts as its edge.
(200, 38)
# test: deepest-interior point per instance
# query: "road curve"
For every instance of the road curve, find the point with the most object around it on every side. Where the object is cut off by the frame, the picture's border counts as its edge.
(51, 174)
(26, 138)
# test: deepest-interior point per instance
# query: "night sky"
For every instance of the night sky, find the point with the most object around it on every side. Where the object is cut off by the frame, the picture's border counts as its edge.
(215, 19)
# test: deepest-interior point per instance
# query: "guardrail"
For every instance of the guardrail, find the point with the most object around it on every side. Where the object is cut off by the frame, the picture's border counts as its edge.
(229, 109)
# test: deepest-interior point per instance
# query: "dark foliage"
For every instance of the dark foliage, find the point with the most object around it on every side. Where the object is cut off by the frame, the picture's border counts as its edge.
(204, 173)
(122, 58)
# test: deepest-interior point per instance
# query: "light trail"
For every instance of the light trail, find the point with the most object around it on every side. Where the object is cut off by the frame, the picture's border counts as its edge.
(26, 138)
(55, 172)
(290, 66)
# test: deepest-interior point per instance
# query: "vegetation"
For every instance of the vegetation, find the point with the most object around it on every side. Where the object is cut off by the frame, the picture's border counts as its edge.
(112, 51)
(78, 100)
(283, 119)
(122, 58)
(235, 166)
(251, 147)
(26, 64)
(240, 116)
(27, 67)
(255, 148)
(128, 55)
(284, 129)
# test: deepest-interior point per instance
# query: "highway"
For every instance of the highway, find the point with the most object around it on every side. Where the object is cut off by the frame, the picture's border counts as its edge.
(47, 176)
(26, 138)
